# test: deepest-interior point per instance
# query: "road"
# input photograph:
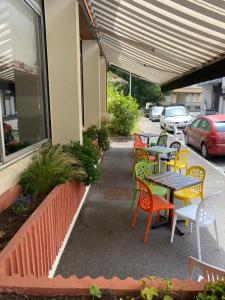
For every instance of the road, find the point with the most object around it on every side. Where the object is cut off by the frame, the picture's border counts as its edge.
(146, 125)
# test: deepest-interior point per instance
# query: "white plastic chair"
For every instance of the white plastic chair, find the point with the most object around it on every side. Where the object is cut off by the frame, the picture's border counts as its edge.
(208, 272)
(202, 215)
(178, 134)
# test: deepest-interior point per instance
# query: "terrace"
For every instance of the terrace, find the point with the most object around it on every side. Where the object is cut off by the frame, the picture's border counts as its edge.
(103, 243)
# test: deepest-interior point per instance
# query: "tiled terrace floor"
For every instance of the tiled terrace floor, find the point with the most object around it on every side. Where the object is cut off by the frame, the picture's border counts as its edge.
(103, 242)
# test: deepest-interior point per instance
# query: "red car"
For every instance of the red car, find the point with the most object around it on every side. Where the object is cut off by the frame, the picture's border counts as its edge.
(207, 133)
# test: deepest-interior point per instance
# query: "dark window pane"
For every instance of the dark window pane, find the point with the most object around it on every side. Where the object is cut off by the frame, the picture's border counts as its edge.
(21, 90)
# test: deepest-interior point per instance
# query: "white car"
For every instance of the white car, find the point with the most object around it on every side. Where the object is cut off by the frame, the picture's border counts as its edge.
(175, 116)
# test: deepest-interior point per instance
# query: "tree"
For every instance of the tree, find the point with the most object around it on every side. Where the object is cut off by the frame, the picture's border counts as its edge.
(144, 91)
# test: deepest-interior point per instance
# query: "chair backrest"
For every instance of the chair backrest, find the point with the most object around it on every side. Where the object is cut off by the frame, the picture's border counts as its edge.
(141, 154)
(182, 157)
(175, 145)
(197, 172)
(142, 169)
(137, 137)
(208, 272)
(145, 195)
(162, 140)
(206, 209)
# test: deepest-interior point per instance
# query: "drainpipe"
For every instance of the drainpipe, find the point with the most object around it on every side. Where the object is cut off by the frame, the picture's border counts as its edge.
(130, 84)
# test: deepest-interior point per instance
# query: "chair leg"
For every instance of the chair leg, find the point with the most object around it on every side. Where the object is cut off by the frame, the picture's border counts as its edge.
(198, 242)
(135, 216)
(148, 227)
(134, 198)
(216, 231)
(173, 228)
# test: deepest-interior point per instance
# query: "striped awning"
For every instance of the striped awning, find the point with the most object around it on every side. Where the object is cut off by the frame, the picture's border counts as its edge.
(160, 40)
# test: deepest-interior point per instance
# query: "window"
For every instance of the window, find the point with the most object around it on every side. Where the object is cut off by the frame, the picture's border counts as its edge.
(195, 123)
(23, 97)
(204, 125)
(176, 111)
(220, 126)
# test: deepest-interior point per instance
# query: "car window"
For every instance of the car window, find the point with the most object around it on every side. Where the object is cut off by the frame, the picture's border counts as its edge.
(196, 123)
(157, 109)
(204, 125)
(176, 111)
(163, 112)
(220, 126)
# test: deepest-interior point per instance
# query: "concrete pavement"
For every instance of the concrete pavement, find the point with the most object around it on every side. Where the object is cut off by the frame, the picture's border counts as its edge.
(103, 243)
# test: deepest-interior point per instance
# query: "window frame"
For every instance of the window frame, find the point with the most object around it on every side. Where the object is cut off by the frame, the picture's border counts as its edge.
(7, 159)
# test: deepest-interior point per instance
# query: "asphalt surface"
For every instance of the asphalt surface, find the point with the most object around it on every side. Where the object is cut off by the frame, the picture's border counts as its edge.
(103, 243)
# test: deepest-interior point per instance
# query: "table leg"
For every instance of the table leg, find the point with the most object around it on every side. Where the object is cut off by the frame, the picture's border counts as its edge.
(177, 229)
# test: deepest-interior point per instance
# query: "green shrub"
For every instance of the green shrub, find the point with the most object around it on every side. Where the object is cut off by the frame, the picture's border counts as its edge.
(125, 112)
(88, 154)
(213, 291)
(91, 133)
(102, 135)
(103, 139)
(49, 167)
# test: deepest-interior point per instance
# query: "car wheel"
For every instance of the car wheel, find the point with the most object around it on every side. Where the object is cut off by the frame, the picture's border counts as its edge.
(204, 151)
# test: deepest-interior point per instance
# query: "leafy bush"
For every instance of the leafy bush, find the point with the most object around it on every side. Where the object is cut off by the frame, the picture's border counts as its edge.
(91, 133)
(103, 139)
(125, 112)
(102, 135)
(88, 154)
(49, 167)
(213, 291)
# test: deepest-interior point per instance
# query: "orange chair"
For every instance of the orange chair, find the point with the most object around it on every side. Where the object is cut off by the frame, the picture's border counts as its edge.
(150, 203)
(138, 143)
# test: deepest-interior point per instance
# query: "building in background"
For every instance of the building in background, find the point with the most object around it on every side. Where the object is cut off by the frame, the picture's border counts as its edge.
(191, 97)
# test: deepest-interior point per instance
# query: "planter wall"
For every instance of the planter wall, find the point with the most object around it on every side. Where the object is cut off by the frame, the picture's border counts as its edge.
(33, 249)
(8, 197)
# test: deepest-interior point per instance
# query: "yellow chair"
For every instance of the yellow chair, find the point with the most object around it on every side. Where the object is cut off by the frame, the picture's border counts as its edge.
(196, 191)
(180, 161)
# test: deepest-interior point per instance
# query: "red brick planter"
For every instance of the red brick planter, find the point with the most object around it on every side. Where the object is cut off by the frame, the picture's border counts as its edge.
(7, 198)
(26, 260)
(33, 249)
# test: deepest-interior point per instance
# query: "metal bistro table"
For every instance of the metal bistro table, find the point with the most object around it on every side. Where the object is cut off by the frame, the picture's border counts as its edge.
(173, 182)
(148, 135)
(158, 150)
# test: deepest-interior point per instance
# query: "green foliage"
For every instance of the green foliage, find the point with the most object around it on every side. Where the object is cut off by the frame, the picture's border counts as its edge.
(102, 135)
(125, 112)
(213, 291)
(103, 139)
(142, 90)
(49, 167)
(95, 292)
(91, 133)
(88, 154)
(149, 292)
(22, 204)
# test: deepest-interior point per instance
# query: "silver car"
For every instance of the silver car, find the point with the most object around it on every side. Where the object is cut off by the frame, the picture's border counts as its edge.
(175, 116)
(155, 112)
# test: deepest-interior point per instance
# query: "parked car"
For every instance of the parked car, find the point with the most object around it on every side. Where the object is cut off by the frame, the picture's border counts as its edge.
(155, 112)
(207, 133)
(146, 112)
(175, 116)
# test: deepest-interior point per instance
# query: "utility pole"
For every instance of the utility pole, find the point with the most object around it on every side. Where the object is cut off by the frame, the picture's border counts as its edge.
(130, 84)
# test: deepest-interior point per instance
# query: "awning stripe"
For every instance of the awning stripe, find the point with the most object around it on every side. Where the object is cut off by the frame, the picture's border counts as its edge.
(161, 40)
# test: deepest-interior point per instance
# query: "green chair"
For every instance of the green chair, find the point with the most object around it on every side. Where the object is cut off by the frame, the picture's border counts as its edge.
(162, 140)
(143, 169)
